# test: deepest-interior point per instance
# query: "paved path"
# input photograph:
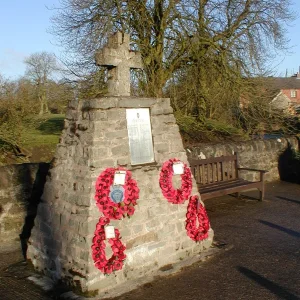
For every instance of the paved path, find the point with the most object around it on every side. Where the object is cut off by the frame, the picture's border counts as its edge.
(262, 260)
(14, 284)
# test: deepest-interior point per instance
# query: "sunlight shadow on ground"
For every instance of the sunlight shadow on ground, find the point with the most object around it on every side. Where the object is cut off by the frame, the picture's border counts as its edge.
(278, 227)
(287, 199)
(268, 284)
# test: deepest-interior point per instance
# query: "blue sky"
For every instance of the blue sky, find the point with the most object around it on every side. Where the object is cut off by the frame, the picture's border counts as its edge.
(23, 31)
(23, 26)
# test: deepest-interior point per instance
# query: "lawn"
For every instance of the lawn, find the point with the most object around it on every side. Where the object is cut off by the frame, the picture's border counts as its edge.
(41, 140)
(46, 133)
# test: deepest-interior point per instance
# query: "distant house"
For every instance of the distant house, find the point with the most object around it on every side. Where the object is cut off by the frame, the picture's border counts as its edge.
(288, 96)
(281, 102)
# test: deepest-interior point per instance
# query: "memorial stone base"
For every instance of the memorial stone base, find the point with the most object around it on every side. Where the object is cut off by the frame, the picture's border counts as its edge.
(95, 137)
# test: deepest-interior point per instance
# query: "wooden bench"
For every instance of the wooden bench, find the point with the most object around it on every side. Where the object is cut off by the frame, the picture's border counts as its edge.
(218, 176)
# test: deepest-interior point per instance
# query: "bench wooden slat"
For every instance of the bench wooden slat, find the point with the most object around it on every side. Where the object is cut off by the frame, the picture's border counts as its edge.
(229, 190)
(219, 176)
(213, 159)
(227, 185)
(220, 183)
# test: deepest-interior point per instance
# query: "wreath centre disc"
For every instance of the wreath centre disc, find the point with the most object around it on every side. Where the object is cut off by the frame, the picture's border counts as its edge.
(116, 193)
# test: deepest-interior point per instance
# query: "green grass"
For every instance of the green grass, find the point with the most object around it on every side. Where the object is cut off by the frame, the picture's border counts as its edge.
(38, 139)
(47, 132)
(41, 137)
(53, 125)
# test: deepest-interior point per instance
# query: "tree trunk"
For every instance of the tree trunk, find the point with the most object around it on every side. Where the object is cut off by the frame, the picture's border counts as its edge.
(41, 106)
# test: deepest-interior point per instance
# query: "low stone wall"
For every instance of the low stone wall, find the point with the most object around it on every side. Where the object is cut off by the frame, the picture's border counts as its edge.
(258, 154)
(21, 187)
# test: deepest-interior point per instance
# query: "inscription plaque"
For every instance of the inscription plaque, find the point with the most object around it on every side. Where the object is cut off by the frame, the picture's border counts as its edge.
(140, 136)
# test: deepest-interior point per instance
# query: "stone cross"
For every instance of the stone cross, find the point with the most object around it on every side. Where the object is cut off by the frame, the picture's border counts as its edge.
(119, 59)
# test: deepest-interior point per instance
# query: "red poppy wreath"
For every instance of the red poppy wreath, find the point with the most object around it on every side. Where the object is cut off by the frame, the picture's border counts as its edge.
(110, 209)
(196, 212)
(113, 209)
(115, 262)
(173, 195)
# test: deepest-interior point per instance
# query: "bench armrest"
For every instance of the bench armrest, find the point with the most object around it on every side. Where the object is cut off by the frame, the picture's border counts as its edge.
(254, 170)
(262, 172)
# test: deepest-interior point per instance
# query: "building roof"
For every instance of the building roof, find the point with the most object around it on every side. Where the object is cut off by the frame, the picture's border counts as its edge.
(283, 82)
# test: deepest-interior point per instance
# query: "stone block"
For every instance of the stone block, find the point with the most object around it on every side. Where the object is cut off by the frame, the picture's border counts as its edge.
(165, 253)
(73, 104)
(46, 229)
(157, 211)
(116, 114)
(160, 158)
(116, 134)
(71, 115)
(103, 284)
(44, 212)
(156, 246)
(137, 229)
(142, 239)
(96, 153)
(159, 128)
(123, 161)
(141, 254)
(121, 124)
(159, 109)
(156, 110)
(153, 225)
(83, 200)
(102, 103)
(158, 138)
(175, 145)
(61, 152)
(167, 119)
(120, 150)
(162, 147)
(95, 115)
(103, 163)
(85, 255)
(130, 102)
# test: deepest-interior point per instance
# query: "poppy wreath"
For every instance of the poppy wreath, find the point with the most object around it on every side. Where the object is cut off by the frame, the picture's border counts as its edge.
(196, 211)
(175, 196)
(115, 262)
(111, 210)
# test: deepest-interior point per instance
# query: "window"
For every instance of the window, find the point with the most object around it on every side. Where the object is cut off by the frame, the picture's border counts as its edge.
(293, 93)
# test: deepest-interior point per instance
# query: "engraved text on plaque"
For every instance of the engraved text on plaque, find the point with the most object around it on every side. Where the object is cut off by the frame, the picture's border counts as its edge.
(140, 136)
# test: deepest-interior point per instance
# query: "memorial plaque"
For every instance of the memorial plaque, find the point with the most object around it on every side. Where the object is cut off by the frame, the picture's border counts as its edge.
(140, 136)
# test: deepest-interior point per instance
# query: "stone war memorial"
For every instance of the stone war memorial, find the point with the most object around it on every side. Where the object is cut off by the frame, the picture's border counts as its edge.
(119, 205)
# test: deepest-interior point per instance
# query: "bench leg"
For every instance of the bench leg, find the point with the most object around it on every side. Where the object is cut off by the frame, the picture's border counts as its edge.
(262, 189)
(238, 194)
(261, 194)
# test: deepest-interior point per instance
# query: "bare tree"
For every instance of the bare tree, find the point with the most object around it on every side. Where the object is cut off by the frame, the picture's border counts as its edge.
(172, 34)
(39, 68)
